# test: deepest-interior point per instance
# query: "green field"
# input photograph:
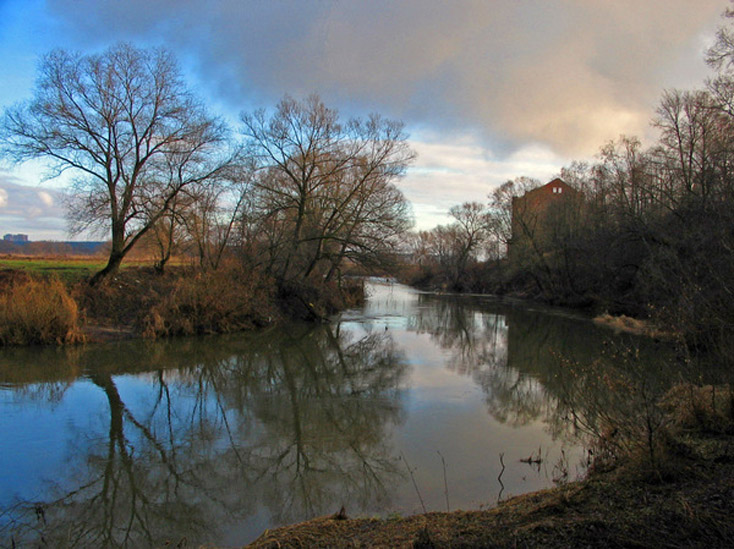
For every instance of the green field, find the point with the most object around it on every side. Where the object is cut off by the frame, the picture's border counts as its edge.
(67, 269)
(72, 269)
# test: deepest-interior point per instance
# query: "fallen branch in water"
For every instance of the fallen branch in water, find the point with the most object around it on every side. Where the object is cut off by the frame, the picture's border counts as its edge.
(499, 477)
(445, 482)
(415, 485)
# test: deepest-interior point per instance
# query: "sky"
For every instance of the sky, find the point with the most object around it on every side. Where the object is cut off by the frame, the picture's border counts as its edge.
(489, 90)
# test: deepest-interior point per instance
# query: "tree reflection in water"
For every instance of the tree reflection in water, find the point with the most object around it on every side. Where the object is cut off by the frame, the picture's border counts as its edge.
(294, 423)
(480, 341)
(527, 363)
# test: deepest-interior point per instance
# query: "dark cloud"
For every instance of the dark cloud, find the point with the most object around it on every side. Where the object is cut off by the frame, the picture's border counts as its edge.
(570, 74)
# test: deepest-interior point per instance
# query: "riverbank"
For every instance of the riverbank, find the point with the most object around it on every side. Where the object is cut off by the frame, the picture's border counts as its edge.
(687, 500)
(38, 308)
(695, 511)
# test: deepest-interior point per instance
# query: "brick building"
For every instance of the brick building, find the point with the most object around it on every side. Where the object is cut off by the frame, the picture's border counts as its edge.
(539, 214)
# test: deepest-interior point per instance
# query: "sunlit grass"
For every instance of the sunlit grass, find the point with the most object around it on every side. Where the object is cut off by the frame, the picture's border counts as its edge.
(66, 268)
(70, 268)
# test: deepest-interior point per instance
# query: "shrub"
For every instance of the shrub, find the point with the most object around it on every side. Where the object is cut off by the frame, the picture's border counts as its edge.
(38, 311)
(225, 300)
(708, 408)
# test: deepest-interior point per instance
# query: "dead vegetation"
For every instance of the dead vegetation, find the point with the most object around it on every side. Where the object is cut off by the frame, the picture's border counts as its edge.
(181, 301)
(209, 302)
(623, 323)
(37, 311)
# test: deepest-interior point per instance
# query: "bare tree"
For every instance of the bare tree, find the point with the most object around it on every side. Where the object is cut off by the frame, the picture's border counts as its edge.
(212, 216)
(167, 236)
(686, 123)
(499, 214)
(472, 227)
(441, 244)
(126, 125)
(325, 190)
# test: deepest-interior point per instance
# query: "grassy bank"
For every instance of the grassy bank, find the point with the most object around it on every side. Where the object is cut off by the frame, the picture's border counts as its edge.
(685, 501)
(68, 268)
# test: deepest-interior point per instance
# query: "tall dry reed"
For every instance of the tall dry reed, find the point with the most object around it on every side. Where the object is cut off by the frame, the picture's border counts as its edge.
(36, 311)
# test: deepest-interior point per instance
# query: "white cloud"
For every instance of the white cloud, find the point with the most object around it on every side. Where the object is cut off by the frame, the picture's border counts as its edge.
(459, 169)
(30, 210)
(46, 198)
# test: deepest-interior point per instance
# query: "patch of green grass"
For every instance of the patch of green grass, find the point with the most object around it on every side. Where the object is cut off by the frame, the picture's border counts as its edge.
(68, 270)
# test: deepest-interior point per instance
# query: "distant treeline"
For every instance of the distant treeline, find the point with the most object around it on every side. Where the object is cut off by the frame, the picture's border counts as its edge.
(51, 247)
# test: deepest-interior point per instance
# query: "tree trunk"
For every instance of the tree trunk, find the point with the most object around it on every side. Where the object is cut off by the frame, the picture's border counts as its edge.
(160, 265)
(113, 265)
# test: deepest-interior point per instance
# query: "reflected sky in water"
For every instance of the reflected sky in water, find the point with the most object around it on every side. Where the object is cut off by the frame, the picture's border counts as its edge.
(215, 439)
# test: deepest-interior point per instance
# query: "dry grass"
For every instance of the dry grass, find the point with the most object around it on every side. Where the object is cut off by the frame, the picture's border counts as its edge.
(229, 299)
(34, 311)
(183, 301)
(628, 324)
(708, 408)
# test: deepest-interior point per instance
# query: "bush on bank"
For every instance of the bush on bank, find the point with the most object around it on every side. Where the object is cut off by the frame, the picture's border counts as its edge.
(38, 311)
(225, 300)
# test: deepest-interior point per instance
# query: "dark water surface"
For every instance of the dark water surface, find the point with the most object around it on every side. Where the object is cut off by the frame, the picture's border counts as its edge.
(404, 404)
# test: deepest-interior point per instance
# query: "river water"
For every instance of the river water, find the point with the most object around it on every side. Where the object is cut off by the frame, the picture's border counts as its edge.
(413, 402)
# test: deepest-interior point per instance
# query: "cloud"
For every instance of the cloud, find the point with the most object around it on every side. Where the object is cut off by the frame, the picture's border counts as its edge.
(462, 170)
(489, 90)
(46, 198)
(26, 209)
(568, 74)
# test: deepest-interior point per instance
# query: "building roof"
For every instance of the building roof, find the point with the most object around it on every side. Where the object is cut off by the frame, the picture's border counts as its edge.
(556, 183)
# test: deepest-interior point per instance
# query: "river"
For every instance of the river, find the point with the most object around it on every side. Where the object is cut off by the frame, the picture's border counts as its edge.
(412, 402)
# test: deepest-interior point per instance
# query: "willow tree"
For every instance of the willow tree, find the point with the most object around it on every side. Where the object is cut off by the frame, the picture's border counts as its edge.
(125, 124)
(325, 190)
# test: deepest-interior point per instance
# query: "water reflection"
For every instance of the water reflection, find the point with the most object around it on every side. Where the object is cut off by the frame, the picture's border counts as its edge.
(530, 363)
(292, 424)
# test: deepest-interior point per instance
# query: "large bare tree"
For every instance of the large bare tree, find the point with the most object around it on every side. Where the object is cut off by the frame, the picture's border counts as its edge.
(325, 190)
(128, 128)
